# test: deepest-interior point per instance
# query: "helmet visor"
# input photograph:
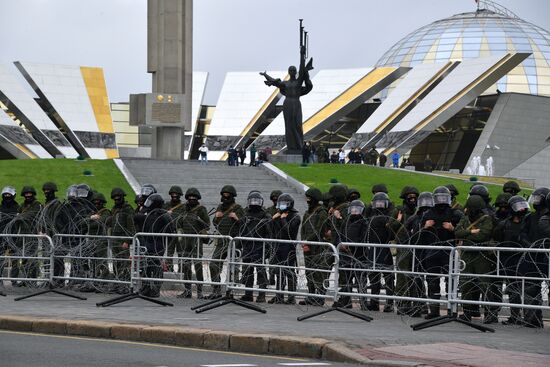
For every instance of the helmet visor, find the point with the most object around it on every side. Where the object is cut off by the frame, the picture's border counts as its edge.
(148, 202)
(8, 190)
(71, 192)
(255, 202)
(379, 204)
(519, 206)
(535, 199)
(82, 193)
(356, 210)
(426, 202)
(146, 191)
(442, 199)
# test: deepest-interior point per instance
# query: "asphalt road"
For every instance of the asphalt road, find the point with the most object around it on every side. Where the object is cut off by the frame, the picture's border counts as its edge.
(29, 349)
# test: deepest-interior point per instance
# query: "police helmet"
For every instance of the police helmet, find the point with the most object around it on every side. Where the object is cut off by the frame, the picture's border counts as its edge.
(9, 190)
(481, 190)
(154, 201)
(452, 188)
(502, 199)
(511, 187)
(338, 192)
(315, 194)
(538, 196)
(518, 204)
(285, 202)
(275, 194)
(117, 191)
(51, 186)
(147, 189)
(475, 203)
(27, 190)
(356, 207)
(255, 198)
(379, 188)
(230, 189)
(426, 200)
(192, 191)
(353, 194)
(99, 197)
(407, 190)
(380, 200)
(442, 196)
(175, 190)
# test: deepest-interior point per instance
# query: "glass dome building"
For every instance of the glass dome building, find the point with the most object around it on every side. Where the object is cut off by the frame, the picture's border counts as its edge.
(491, 30)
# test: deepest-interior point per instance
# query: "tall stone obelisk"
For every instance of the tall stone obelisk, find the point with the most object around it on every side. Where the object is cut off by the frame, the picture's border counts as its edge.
(170, 61)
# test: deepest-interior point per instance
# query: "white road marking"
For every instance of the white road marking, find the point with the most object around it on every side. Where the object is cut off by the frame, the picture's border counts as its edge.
(229, 365)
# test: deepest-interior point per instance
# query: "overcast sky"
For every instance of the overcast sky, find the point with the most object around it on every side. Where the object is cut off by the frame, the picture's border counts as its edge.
(229, 35)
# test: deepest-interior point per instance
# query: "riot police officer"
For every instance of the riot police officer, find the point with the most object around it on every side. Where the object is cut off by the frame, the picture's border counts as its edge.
(438, 228)
(155, 220)
(254, 223)
(193, 219)
(226, 217)
(314, 227)
(121, 223)
(534, 265)
(379, 232)
(8, 211)
(354, 229)
(476, 229)
(284, 226)
(26, 223)
(506, 234)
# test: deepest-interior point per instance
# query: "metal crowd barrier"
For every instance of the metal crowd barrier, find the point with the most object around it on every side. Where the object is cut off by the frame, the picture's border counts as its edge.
(531, 271)
(285, 270)
(194, 252)
(370, 266)
(92, 263)
(29, 259)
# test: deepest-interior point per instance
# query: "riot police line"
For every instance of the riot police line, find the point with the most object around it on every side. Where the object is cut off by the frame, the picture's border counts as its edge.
(272, 250)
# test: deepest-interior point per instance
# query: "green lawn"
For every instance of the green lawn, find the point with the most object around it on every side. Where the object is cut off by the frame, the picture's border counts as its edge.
(64, 172)
(363, 177)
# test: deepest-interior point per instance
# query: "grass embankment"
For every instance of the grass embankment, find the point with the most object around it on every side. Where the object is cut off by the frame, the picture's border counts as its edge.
(64, 172)
(363, 177)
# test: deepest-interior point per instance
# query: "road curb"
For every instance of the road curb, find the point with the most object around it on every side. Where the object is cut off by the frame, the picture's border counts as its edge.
(199, 338)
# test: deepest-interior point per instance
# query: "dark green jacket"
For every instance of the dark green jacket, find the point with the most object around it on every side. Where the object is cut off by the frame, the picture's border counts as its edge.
(314, 224)
(464, 227)
(192, 220)
(98, 227)
(224, 224)
(27, 216)
(121, 221)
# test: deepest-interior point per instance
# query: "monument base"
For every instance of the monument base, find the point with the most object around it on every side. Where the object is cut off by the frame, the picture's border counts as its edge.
(286, 158)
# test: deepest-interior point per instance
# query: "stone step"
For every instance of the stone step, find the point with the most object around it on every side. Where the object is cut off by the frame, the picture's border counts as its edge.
(209, 179)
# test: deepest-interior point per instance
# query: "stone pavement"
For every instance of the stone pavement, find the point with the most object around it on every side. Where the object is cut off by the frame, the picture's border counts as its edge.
(388, 337)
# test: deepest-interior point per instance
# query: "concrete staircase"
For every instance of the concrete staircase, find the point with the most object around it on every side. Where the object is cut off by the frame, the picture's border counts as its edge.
(210, 179)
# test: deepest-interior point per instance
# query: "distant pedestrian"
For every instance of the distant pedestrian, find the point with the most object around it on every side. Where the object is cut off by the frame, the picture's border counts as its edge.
(203, 152)
(242, 155)
(383, 159)
(253, 155)
(306, 152)
(231, 155)
(395, 159)
(341, 156)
